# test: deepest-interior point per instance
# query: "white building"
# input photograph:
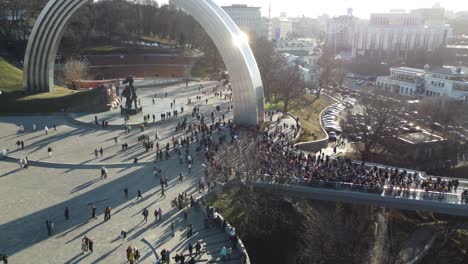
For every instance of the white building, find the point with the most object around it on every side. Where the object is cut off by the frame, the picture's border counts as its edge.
(396, 34)
(448, 81)
(403, 80)
(339, 32)
(309, 74)
(247, 18)
(282, 27)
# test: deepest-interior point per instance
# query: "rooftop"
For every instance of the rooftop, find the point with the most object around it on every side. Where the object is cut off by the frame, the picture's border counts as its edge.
(409, 70)
(447, 70)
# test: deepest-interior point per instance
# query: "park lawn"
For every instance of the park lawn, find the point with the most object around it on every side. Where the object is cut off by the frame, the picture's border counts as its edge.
(163, 41)
(13, 100)
(102, 49)
(11, 78)
(307, 108)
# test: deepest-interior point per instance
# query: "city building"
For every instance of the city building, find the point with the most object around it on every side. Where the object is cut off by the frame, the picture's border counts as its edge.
(282, 27)
(448, 81)
(356, 82)
(339, 32)
(266, 28)
(247, 18)
(459, 52)
(305, 27)
(301, 46)
(308, 72)
(403, 80)
(396, 34)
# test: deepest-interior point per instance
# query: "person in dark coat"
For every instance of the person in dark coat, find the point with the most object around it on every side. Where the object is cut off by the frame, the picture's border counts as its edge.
(190, 249)
(67, 213)
(90, 245)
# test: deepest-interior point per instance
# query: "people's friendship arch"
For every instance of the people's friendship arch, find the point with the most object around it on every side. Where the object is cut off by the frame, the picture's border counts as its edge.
(245, 77)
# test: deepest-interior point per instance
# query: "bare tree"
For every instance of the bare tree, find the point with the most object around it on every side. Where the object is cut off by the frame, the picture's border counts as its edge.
(327, 66)
(379, 123)
(290, 83)
(268, 64)
(75, 70)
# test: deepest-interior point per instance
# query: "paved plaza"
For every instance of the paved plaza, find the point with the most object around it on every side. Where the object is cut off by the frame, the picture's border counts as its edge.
(70, 177)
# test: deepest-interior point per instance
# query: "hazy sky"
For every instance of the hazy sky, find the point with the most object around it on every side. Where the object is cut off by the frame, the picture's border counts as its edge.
(362, 8)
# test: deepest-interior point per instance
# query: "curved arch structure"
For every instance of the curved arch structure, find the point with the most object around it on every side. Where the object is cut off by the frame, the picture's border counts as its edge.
(238, 57)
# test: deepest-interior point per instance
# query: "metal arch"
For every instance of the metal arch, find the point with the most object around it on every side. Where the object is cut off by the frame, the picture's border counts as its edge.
(245, 77)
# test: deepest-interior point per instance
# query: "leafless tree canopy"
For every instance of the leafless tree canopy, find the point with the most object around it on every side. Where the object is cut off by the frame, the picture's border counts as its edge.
(75, 70)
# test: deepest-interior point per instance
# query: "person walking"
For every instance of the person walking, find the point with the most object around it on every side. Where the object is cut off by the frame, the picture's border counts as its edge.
(50, 151)
(181, 177)
(67, 213)
(163, 194)
(93, 212)
(128, 251)
(126, 193)
(198, 249)
(223, 253)
(46, 129)
(90, 245)
(139, 195)
(49, 229)
(160, 213)
(96, 153)
(185, 215)
(103, 173)
(189, 230)
(229, 252)
(131, 257)
(137, 254)
(84, 246)
(190, 249)
(101, 151)
(145, 215)
(173, 228)
(123, 235)
(52, 227)
(4, 257)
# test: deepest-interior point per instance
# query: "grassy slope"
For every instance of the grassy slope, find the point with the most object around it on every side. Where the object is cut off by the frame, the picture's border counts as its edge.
(11, 78)
(14, 101)
(307, 108)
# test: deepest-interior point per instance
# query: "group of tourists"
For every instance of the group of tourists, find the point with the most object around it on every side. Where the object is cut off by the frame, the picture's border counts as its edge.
(133, 254)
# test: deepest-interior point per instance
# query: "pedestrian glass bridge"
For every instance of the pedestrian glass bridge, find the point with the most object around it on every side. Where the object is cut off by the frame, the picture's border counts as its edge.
(407, 199)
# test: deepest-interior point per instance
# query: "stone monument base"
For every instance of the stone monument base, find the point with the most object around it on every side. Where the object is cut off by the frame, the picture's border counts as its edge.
(131, 111)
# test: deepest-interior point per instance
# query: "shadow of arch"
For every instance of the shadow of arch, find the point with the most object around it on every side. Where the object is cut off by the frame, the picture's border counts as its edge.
(247, 85)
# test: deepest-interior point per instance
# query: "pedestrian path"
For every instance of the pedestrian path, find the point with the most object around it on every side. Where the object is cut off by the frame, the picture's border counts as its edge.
(70, 177)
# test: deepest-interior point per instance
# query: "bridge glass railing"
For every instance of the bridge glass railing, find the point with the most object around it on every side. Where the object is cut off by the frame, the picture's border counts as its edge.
(386, 191)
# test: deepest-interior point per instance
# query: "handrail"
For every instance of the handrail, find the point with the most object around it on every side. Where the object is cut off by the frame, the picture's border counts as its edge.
(386, 190)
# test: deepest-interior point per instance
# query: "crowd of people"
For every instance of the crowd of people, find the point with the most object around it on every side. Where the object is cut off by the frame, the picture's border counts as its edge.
(278, 160)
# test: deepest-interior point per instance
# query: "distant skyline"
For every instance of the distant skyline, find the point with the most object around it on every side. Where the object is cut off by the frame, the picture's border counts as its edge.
(361, 8)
